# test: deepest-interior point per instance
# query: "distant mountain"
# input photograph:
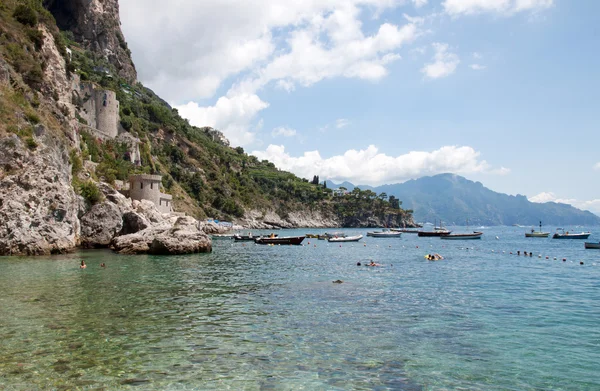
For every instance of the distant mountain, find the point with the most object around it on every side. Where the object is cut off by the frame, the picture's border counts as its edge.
(453, 199)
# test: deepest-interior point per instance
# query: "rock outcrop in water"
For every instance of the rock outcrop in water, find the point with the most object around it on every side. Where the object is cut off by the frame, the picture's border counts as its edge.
(137, 227)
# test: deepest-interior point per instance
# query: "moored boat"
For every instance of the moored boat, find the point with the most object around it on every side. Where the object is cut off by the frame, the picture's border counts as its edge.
(345, 238)
(474, 235)
(384, 234)
(405, 230)
(286, 240)
(222, 236)
(248, 238)
(537, 234)
(562, 234)
(595, 245)
(437, 231)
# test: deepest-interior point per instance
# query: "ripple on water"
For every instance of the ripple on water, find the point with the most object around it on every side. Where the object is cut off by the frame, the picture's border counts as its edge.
(260, 317)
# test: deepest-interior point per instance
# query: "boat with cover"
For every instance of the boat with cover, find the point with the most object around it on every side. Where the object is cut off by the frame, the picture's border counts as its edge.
(595, 245)
(537, 234)
(474, 235)
(345, 238)
(286, 240)
(562, 234)
(384, 234)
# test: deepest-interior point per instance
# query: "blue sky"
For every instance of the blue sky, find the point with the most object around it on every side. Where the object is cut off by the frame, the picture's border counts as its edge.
(381, 91)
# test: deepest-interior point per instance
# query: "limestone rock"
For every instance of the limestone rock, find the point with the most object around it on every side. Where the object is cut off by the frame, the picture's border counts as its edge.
(183, 237)
(134, 222)
(38, 206)
(100, 225)
(96, 25)
(212, 228)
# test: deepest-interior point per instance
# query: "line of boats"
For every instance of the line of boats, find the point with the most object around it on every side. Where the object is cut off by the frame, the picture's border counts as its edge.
(560, 234)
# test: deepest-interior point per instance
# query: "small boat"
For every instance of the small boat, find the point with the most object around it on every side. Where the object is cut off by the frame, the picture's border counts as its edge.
(247, 238)
(537, 234)
(384, 234)
(437, 231)
(562, 234)
(334, 234)
(337, 239)
(286, 240)
(405, 230)
(474, 235)
(222, 236)
(312, 236)
(592, 245)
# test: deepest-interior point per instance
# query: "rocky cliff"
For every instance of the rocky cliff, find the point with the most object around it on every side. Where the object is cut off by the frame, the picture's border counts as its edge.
(72, 120)
(96, 25)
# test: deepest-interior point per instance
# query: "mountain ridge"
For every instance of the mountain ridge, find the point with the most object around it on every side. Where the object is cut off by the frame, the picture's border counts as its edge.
(453, 198)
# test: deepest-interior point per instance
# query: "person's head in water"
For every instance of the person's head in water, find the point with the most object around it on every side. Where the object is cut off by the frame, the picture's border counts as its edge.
(103, 264)
(83, 265)
(358, 264)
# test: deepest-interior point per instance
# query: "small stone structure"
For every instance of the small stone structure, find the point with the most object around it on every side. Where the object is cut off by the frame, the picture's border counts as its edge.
(147, 187)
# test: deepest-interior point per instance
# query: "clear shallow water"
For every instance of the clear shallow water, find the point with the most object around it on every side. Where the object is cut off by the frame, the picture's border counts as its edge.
(270, 318)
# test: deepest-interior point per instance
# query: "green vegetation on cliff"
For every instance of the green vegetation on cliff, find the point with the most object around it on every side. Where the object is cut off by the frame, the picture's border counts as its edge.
(206, 176)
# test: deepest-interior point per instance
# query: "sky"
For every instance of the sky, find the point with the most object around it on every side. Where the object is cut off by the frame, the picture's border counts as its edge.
(505, 92)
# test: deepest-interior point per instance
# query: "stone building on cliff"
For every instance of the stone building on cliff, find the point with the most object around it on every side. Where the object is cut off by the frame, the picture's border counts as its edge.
(147, 187)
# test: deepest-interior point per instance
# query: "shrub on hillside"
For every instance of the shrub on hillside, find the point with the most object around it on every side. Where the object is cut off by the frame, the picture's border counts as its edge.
(90, 192)
(26, 15)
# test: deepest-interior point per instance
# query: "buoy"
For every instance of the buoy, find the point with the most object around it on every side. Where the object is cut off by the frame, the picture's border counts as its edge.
(555, 258)
(497, 238)
(546, 257)
(581, 262)
(417, 246)
(564, 259)
(539, 256)
(308, 242)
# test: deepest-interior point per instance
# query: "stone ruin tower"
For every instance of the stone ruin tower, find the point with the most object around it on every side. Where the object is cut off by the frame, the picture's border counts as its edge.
(147, 187)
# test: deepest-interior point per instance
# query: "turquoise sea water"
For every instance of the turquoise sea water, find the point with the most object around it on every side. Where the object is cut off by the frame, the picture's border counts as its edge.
(250, 317)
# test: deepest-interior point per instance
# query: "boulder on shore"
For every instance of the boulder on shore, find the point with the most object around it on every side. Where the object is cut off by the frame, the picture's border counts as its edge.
(137, 227)
(183, 237)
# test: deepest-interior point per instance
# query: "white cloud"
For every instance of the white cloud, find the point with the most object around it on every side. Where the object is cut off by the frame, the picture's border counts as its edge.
(477, 67)
(597, 166)
(477, 56)
(467, 7)
(419, 3)
(591, 205)
(543, 197)
(187, 50)
(233, 115)
(502, 171)
(342, 123)
(369, 166)
(283, 131)
(444, 63)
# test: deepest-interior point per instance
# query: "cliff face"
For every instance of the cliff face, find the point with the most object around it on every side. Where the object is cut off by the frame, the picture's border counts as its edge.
(96, 25)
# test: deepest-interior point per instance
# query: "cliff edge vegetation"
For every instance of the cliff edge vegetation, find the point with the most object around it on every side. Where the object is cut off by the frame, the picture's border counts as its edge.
(73, 116)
